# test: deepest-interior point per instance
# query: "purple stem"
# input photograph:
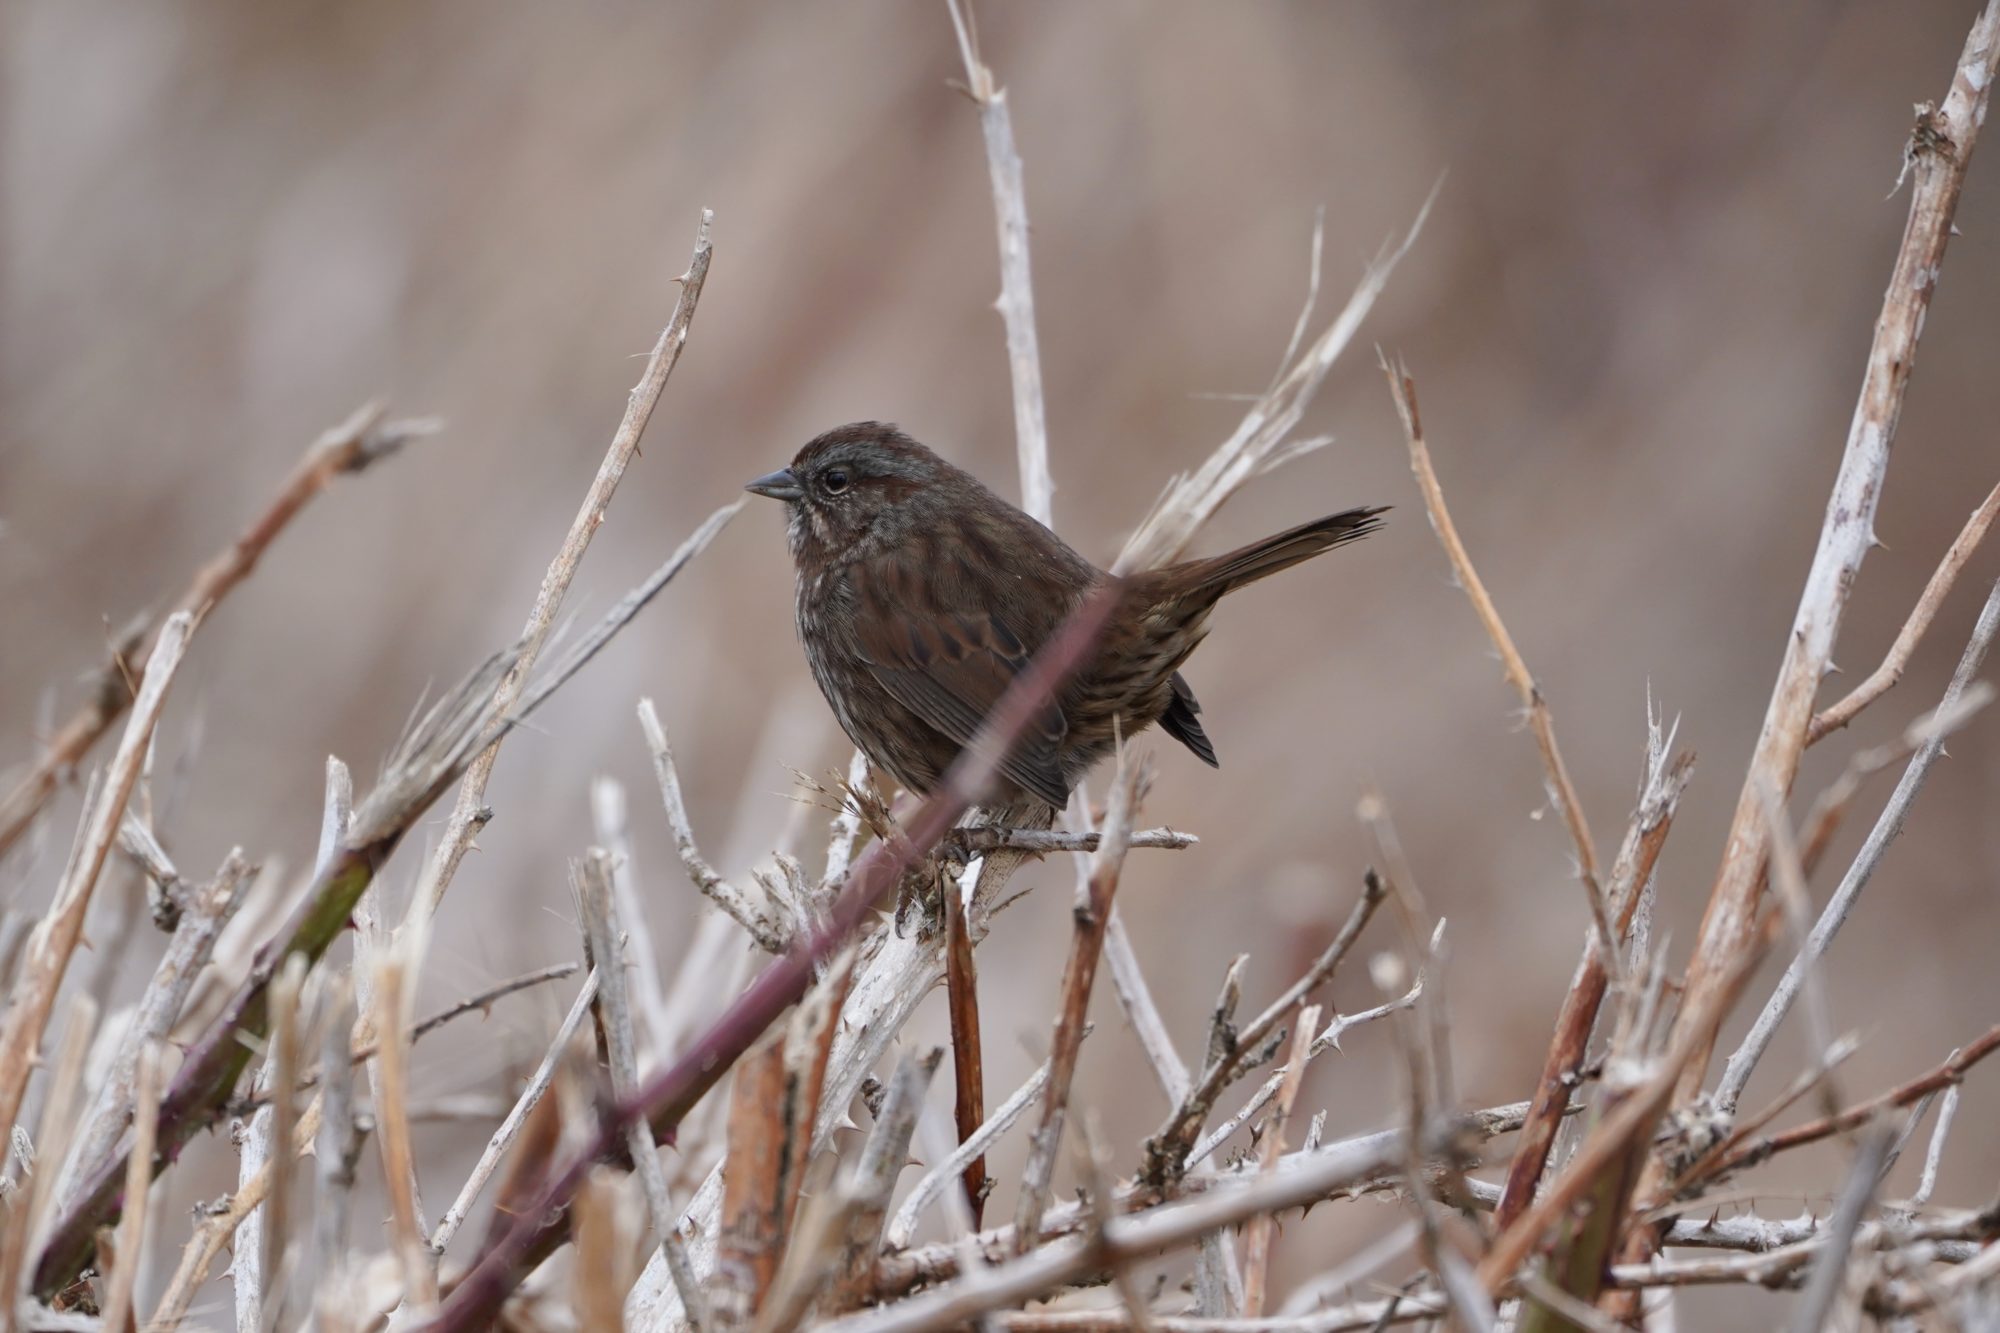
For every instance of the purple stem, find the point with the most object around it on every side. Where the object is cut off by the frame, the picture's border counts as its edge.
(536, 1231)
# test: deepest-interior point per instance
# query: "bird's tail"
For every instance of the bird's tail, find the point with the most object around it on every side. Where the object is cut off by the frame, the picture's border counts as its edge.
(1222, 574)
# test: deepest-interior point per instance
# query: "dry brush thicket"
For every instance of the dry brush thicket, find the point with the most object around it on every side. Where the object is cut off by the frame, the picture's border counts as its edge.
(756, 1171)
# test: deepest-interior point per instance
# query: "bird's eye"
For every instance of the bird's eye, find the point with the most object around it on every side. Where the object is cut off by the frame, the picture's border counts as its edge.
(835, 481)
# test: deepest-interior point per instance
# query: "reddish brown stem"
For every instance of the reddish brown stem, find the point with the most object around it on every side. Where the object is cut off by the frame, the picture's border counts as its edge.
(967, 1064)
(348, 447)
(1586, 996)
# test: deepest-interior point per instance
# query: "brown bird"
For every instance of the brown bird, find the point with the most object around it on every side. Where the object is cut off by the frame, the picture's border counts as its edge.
(921, 594)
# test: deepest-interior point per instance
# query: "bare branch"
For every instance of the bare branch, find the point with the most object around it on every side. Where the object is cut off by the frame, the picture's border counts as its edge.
(27, 1206)
(1167, 1151)
(903, 1229)
(1263, 439)
(336, 1151)
(138, 1177)
(1883, 679)
(988, 839)
(1630, 873)
(510, 1128)
(1935, 1153)
(926, 1265)
(1135, 997)
(968, 1061)
(1017, 290)
(601, 926)
(394, 983)
(349, 447)
(1939, 152)
(212, 1233)
(1257, 1232)
(49, 950)
(1079, 976)
(1830, 1264)
(608, 813)
(713, 886)
(861, 1197)
(1736, 1074)
(1327, 1040)
(1541, 720)
(159, 1006)
(1944, 1075)
(1131, 1236)
(468, 814)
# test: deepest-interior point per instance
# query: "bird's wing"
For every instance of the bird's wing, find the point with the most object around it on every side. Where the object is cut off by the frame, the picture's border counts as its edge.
(949, 665)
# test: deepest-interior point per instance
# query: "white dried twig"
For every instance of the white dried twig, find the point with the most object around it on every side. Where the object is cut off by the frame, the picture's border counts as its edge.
(1131, 1236)
(1263, 440)
(47, 956)
(1327, 1040)
(1939, 152)
(138, 1178)
(933, 1182)
(608, 812)
(1016, 302)
(1823, 1280)
(503, 1137)
(469, 812)
(335, 1151)
(1257, 1232)
(206, 913)
(713, 886)
(614, 1007)
(1736, 1074)
(1093, 906)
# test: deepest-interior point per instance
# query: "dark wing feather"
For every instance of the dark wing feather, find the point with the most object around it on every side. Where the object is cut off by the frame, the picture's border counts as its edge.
(950, 668)
(1182, 721)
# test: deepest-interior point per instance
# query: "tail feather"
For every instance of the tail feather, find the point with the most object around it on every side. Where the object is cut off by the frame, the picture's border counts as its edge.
(1223, 574)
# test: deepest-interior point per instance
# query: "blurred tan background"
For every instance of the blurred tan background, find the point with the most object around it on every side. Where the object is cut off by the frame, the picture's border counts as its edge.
(1638, 316)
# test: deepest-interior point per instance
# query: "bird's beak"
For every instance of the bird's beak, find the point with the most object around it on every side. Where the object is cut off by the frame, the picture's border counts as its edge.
(779, 485)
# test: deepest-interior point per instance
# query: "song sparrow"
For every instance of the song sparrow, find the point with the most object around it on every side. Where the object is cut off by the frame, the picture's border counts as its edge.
(921, 593)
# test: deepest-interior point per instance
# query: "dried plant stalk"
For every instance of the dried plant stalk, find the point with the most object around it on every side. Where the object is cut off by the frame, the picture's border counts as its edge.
(1257, 1232)
(47, 956)
(1093, 910)
(392, 1121)
(672, 1093)
(1884, 677)
(1940, 151)
(349, 447)
(139, 1175)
